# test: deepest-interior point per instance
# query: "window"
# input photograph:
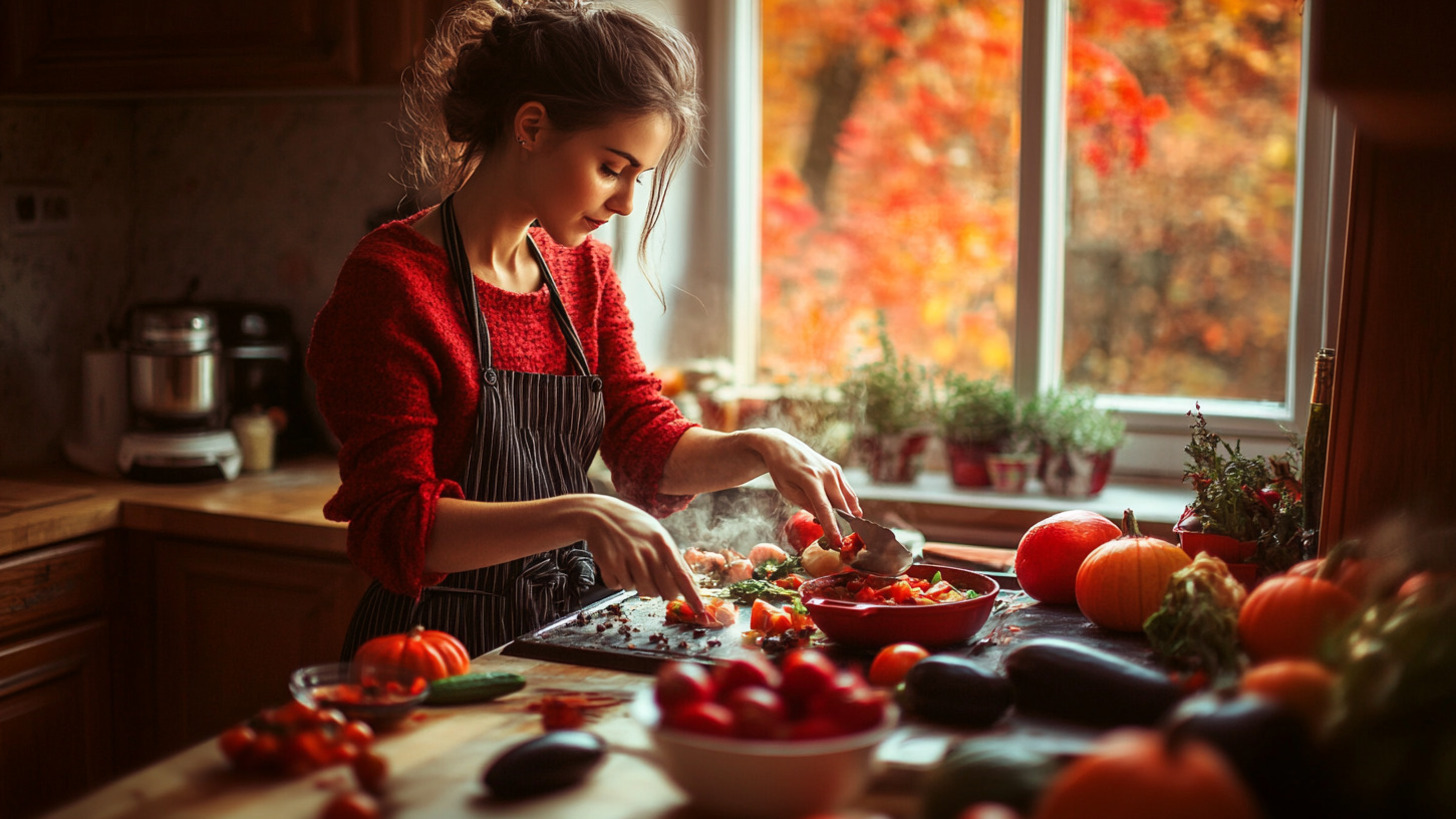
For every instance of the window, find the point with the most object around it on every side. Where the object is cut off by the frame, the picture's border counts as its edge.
(1139, 196)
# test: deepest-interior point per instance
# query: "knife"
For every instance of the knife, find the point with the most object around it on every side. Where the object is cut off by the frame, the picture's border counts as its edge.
(883, 553)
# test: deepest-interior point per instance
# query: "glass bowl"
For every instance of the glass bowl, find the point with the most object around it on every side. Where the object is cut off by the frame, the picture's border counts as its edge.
(764, 779)
(380, 695)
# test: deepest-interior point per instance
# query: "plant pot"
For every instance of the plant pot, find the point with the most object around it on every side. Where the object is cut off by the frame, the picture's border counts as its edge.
(1074, 474)
(893, 458)
(1009, 473)
(1236, 554)
(967, 462)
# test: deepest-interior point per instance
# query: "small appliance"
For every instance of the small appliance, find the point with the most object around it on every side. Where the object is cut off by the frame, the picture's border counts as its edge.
(261, 370)
(175, 388)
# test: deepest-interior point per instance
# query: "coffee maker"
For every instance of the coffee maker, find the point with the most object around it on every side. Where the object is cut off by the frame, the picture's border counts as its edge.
(177, 395)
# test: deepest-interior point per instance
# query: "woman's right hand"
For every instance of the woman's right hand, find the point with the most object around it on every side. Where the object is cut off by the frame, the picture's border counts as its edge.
(633, 551)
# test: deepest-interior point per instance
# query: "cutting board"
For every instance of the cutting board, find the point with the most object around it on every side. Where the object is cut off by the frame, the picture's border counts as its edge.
(18, 496)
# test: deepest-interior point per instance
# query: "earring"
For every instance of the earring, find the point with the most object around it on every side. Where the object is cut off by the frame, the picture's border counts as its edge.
(521, 142)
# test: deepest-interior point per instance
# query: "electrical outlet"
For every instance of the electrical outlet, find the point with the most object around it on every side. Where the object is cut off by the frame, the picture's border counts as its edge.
(36, 208)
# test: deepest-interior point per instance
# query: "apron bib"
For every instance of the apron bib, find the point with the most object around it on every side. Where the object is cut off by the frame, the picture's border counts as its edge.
(535, 437)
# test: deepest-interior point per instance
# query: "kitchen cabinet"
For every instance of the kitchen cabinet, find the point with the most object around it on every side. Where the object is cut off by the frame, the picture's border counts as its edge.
(232, 621)
(55, 675)
(142, 46)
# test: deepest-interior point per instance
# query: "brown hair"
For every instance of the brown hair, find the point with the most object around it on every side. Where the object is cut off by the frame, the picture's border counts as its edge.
(587, 64)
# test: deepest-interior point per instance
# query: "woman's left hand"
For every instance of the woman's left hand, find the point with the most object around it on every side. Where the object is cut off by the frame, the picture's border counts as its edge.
(804, 477)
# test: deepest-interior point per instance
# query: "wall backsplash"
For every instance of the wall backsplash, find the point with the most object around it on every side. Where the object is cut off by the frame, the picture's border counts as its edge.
(258, 198)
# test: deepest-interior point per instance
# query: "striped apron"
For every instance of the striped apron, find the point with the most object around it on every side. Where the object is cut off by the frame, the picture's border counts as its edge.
(535, 436)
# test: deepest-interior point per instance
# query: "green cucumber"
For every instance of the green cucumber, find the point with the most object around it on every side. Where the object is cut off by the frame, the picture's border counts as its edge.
(475, 686)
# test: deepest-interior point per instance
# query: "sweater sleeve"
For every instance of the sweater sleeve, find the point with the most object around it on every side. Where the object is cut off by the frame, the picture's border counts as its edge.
(376, 356)
(643, 426)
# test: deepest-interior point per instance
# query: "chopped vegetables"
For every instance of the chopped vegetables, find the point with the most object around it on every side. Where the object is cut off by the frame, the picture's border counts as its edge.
(894, 591)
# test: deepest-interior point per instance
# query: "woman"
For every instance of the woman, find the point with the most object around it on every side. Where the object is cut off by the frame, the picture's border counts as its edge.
(474, 357)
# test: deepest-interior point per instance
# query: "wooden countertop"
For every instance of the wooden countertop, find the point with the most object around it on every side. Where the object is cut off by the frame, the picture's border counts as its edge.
(282, 508)
(435, 765)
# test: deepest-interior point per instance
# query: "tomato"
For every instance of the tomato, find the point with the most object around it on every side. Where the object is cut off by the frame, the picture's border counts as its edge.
(306, 751)
(679, 683)
(893, 662)
(741, 671)
(370, 770)
(264, 754)
(813, 727)
(357, 732)
(807, 673)
(292, 714)
(802, 529)
(758, 713)
(710, 718)
(792, 582)
(769, 619)
(852, 707)
(351, 805)
(235, 743)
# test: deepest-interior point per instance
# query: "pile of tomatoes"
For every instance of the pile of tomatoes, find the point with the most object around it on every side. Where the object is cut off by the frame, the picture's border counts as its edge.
(902, 591)
(295, 739)
(805, 697)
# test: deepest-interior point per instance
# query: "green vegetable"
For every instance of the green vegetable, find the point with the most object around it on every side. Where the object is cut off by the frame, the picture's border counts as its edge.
(777, 569)
(1198, 624)
(476, 686)
(746, 591)
(935, 578)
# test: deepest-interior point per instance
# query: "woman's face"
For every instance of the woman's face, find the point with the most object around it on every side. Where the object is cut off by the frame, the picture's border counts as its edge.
(586, 177)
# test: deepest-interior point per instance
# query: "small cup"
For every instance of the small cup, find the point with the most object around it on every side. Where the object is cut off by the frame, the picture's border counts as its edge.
(256, 436)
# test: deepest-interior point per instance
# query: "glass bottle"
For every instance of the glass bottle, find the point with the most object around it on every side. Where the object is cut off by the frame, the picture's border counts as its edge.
(1316, 442)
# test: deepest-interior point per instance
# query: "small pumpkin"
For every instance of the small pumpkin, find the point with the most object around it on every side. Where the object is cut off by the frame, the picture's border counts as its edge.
(1138, 773)
(433, 655)
(1301, 685)
(1291, 615)
(1122, 582)
(1355, 575)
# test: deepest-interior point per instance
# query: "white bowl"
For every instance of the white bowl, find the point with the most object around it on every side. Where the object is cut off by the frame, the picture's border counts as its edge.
(765, 779)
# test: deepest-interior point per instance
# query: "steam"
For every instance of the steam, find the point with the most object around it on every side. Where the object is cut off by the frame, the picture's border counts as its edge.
(731, 519)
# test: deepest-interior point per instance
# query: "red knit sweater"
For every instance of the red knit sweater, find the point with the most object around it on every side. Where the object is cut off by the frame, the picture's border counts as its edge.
(393, 362)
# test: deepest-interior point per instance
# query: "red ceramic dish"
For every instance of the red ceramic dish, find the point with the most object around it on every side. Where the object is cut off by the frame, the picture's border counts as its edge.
(871, 625)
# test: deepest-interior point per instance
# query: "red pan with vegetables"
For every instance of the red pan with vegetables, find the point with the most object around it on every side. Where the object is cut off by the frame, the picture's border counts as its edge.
(856, 609)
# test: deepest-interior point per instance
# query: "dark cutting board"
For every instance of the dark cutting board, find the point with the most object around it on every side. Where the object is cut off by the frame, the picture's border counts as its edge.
(625, 632)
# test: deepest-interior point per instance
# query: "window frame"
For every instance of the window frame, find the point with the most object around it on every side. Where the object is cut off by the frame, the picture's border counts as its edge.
(1157, 426)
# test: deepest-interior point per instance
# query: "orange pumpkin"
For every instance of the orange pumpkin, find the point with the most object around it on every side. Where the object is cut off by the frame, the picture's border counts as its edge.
(433, 655)
(1355, 575)
(1290, 615)
(1136, 773)
(1122, 582)
(1303, 686)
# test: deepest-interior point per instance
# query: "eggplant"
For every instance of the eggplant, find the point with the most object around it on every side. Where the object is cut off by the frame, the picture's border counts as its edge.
(548, 763)
(952, 690)
(1005, 770)
(1065, 680)
(1268, 745)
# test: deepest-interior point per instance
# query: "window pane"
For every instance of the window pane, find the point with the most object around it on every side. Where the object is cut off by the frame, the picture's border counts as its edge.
(1182, 120)
(889, 183)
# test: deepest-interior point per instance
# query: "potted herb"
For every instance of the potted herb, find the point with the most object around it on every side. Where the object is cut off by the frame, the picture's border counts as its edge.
(1013, 466)
(1077, 441)
(1246, 510)
(977, 418)
(891, 408)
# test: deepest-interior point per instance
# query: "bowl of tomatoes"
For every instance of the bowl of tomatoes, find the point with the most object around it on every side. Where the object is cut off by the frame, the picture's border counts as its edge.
(378, 694)
(749, 737)
(929, 604)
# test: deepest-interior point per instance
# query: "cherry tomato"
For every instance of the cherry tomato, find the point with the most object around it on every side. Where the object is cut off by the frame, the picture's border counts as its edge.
(758, 713)
(306, 751)
(802, 529)
(351, 805)
(858, 709)
(741, 671)
(293, 714)
(807, 673)
(680, 682)
(357, 732)
(710, 718)
(264, 754)
(370, 770)
(235, 743)
(893, 662)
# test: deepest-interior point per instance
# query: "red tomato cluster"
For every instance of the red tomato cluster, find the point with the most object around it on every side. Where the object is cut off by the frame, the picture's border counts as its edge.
(802, 529)
(770, 620)
(902, 591)
(808, 697)
(294, 739)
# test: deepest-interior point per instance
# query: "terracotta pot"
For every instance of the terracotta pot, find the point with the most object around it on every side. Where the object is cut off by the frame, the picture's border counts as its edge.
(893, 458)
(1074, 474)
(1009, 473)
(967, 462)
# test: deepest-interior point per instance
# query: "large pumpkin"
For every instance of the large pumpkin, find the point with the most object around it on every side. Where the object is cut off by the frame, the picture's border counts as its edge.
(1122, 582)
(1291, 615)
(1052, 550)
(1137, 773)
(433, 655)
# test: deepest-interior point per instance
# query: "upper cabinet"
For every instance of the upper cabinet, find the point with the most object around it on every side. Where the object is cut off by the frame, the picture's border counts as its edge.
(158, 46)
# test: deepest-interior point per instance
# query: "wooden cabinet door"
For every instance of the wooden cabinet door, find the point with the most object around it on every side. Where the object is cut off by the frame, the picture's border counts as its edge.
(234, 623)
(55, 718)
(130, 46)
